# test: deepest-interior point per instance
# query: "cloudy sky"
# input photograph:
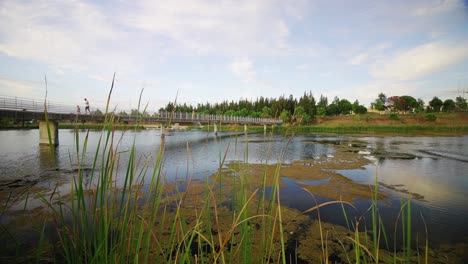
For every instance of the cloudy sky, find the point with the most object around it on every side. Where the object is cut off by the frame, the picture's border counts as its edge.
(214, 50)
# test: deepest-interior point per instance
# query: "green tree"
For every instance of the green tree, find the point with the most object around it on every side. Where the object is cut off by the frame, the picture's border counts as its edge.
(285, 116)
(301, 116)
(307, 102)
(134, 113)
(420, 106)
(266, 112)
(448, 105)
(344, 107)
(98, 112)
(435, 104)
(355, 105)
(379, 103)
(409, 103)
(322, 106)
(333, 109)
(460, 104)
(361, 110)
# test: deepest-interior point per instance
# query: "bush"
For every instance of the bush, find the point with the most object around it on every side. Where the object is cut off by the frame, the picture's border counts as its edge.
(393, 117)
(368, 118)
(357, 118)
(431, 117)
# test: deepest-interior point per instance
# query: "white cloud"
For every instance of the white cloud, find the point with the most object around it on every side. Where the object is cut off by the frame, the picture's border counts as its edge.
(220, 27)
(420, 61)
(60, 34)
(20, 88)
(243, 68)
(438, 8)
(68, 37)
(359, 59)
(369, 55)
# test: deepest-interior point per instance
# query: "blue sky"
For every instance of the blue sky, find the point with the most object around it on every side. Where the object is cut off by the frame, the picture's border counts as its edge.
(215, 50)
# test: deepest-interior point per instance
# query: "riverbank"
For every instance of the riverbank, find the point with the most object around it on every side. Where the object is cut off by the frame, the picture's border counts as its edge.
(388, 124)
(384, 130)
(445, 124)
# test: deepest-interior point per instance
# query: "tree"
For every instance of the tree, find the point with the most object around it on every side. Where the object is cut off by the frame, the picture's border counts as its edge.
(123, 113)
(420, 106)
(360, 110)
(448, 105)
(382, 98)
(169, 107)
(460, 104)
(379, 103)
(403, 103)
(98, 112)
(307, 102)
(409, 104)
(435, 104)
(333, 109)
(355, 105)
(322, 106)
(285, 116)
(344, 107)
(301, 116)
(266, 111)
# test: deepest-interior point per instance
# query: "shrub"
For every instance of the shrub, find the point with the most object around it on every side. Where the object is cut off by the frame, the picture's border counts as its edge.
(393, 117)
(431, 117)
(368, 118)
(357, 118)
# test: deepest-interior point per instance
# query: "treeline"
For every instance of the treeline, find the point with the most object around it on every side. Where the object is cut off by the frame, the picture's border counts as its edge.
(307, 109)
(408, 103)
(301, 110)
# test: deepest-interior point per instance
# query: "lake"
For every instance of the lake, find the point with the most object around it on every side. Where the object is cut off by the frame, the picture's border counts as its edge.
(433, 169)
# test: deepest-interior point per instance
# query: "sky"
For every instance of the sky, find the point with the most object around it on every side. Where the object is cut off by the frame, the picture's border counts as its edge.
(209, 51)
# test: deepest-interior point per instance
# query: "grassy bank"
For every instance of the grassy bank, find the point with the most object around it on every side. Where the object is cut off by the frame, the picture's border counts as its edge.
(409, 124)
(376, 129)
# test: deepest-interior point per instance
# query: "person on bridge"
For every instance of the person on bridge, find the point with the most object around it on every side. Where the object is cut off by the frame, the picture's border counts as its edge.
(87, 106)
(78, 111)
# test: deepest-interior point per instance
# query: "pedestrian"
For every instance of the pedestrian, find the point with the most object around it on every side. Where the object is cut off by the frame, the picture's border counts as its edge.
(87, 106)
(78, 109)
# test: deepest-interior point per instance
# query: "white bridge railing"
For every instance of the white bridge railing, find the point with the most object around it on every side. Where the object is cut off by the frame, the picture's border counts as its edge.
(30, 105)
(196, 117)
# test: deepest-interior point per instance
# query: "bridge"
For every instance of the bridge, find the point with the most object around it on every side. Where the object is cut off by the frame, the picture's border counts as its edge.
(24, 109)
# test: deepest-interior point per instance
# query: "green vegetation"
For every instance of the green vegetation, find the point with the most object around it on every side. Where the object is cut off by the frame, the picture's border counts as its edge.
(364, 129)
(431, 117)
(303, 110)
(393, 117)
(306, 110)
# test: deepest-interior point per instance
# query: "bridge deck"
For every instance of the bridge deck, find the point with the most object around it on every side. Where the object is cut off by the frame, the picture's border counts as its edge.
(27, 109)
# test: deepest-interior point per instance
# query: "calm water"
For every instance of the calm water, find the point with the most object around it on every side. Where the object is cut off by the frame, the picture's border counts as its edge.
(439, 173)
